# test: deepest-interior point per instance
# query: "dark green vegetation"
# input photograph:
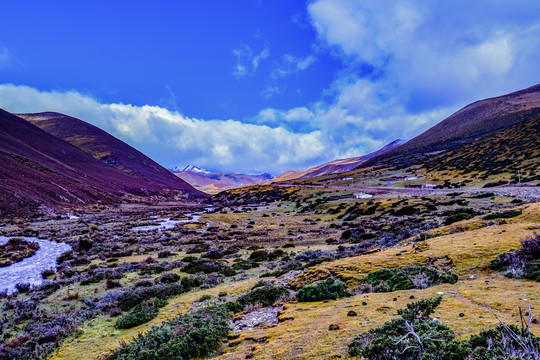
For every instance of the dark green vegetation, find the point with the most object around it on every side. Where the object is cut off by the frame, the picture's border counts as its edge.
(416, 336)
(328, 289)
(419, 277)
(264, 295)
(524, 263)
(502, 214)
(137, 316)
(189, 336)
(16, 250)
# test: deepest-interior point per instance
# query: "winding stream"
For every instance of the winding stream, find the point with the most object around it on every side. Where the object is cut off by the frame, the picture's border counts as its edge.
(166, 224)
(29, 270)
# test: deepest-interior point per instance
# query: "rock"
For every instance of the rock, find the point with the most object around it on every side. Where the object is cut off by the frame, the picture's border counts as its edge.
(364, 303)
(352, 313)
(333, 327)
(411, 297)
(249, 355)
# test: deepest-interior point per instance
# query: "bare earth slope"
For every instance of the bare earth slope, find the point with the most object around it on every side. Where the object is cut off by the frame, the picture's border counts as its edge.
(103, 146)
(41, 171)
(475, 121)
(335, 166)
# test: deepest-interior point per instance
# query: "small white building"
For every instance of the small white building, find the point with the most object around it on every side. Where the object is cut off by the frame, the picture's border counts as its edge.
(347, 178)
(409, 178)
(362, 195)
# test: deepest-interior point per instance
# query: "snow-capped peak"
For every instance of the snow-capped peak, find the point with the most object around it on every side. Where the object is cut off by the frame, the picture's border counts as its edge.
(190, 168)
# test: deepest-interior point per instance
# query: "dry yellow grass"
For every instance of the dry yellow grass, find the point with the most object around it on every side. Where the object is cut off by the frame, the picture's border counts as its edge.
(307, 335)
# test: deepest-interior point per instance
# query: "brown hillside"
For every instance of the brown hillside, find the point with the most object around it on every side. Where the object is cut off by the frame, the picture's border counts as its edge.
(475, 121)
(505, 152)
(105, 147)
(41, 171)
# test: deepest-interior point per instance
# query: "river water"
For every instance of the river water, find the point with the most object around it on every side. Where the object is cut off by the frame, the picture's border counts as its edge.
(29, 270)
(165, 224)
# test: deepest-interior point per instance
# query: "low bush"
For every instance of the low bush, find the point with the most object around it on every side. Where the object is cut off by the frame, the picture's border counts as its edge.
(138, 315)
(524, 263)
(411, 277)
(503, 215)
(264, 295)
(329, 289)
(188, 336)
(416, 336)
(208, 267)
(265, 255)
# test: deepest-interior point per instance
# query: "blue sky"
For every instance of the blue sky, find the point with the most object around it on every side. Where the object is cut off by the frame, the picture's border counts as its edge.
(263, 86)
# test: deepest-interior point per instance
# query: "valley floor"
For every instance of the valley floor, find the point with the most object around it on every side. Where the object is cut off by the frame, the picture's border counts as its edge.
(289, 237)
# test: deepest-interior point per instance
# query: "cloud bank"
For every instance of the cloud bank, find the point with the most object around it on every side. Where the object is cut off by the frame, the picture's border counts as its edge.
(174, 139)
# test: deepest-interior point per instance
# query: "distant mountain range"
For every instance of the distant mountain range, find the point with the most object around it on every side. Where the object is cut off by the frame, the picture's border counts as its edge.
(335, 166)
(214, 182)
(52, 162)
(190, 168)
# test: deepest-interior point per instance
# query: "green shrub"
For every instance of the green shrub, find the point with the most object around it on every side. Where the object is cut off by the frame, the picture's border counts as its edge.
(140, 314)
(245, 265)
(205, 298)
(502, 215)
(396, 279)
(416, 336)
(188, 336)
(133, 297)
(328, 289)
(457, 217)
(496, 342)
(522, 263)
(208, 267)
(532, 272)
(420, 310)
(402, 278)
(264, 295)
(394, 339)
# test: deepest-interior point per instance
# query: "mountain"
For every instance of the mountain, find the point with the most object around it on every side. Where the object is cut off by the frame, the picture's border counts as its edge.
(498, 157)
(41, 172)
(336, 166)
(105, 147)
(190, 168)
(213, 183)
(474, 122)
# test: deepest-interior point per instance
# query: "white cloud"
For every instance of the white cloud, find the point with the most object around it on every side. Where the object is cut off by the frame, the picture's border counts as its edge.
(435, 53)
(270, 90)
(291, 64)
(174, 139)
(246, 61)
